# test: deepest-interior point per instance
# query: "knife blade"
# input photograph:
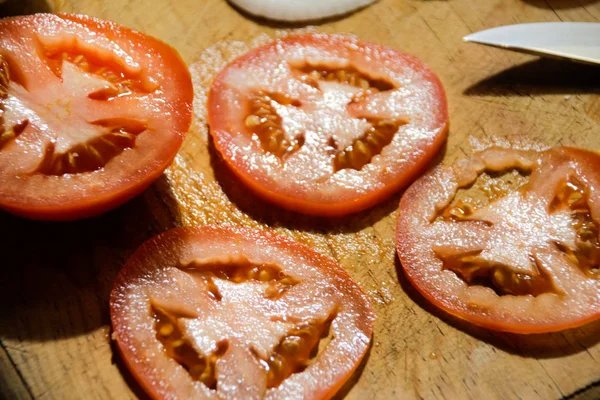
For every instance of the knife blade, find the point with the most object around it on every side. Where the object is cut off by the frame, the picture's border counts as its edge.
(579, 41)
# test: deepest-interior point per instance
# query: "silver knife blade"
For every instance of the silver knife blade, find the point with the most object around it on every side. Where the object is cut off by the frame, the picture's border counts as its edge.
(579, 41)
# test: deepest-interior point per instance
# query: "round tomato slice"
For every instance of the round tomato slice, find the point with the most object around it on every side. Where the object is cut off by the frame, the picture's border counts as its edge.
(91, 113)
(525, 260)
(327, 125)
(220, 312)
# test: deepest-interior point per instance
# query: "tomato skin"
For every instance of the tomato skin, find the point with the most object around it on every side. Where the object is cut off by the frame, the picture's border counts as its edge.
(341, 209)
(574, 305)
(48, 199)
(144, 358)
(389, 178)
(86, 208)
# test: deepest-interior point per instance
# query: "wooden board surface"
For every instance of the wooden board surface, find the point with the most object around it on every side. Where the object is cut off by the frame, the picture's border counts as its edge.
(56, 278)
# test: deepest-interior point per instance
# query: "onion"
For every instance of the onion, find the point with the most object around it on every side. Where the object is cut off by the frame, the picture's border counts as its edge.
(299, 10)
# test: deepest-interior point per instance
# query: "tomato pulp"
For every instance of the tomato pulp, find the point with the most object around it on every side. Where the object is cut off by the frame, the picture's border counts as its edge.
(90, 114)
(327, 125)
(223, 312)
(523, 259)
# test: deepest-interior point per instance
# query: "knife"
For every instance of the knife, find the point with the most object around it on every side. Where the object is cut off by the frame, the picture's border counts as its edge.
(578, 41)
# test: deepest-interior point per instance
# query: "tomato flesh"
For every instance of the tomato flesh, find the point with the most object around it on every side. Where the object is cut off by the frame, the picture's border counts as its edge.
(327, 125)
(217, 312)
(525, 262)
(92, 113)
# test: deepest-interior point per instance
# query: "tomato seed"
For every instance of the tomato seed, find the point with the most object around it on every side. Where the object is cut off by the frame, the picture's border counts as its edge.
(370, 144)
(123, 84)
(363, 83)
(347, 75)
(291, 344)
(239, 272)
(294, 351)
(586, 255)
(252, 121)
(460, 211)
(270, 123)
(166, 330)
(5, 135)
(264, 275)
(89, 156)
(476, 271)
(177, 347)
(253, 273)
(264, 121)
(4, 78)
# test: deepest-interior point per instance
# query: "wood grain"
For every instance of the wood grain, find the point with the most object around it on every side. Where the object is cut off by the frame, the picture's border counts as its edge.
(56, 278)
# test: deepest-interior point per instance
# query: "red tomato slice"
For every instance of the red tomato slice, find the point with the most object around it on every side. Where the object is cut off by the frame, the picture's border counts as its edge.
(218, 312)
(525, 262)
(327, 125)
(90, 114)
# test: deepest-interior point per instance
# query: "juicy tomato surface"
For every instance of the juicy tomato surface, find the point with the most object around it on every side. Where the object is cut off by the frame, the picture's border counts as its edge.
(223, 312)
(327, 125)
(525, 257)
(90, 114)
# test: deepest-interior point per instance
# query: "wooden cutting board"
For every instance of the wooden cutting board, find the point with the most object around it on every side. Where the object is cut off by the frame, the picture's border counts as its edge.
(56, 278)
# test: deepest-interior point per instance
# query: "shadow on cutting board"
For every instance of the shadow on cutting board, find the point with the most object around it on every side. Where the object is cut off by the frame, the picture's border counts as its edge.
(539, 77)
(542, 345)
(56, 278)
(349, 384)
(11, 8)
(560, 4)
(128, 377)
(273, 216)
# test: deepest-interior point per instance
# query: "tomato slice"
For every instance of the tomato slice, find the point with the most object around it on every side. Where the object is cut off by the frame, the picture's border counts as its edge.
(525, 261)
(90, 114)
(327, 125)
(223, 312)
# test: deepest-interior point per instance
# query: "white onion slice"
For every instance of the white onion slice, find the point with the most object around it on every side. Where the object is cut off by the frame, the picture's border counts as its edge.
(299, 10)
